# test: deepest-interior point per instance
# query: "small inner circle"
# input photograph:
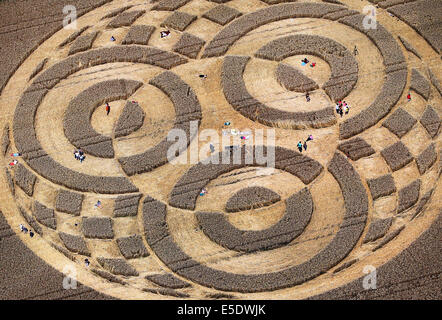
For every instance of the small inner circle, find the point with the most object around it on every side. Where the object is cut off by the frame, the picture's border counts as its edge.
(319, 73)
(103, 122)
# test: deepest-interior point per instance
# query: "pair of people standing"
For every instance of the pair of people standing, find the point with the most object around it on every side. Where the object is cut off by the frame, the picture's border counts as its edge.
(304, 145)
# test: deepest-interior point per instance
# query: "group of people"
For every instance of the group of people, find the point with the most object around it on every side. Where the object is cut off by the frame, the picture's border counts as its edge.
(79, 155)
(15, 161)
(342, 107)
(25, 230)
(163, 34)
(304, 145)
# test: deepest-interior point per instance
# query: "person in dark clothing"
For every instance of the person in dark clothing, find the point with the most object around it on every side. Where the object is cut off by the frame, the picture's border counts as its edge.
(307, 97)
(305, 145)
(300, 146)
(31, 233)
(164, 34)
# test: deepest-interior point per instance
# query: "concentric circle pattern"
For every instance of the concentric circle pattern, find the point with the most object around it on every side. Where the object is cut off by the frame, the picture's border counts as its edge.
(193, 226)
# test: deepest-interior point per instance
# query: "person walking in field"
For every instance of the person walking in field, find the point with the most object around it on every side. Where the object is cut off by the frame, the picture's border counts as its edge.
(107, 108)
(409, 97)
(304, 61)
(310, 137)
(300, 146)
(97, 205)
(307, 97)
(305, 145)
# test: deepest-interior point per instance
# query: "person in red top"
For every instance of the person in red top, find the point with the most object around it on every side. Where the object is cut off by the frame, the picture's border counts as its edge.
(107, 108)
(409, 97)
